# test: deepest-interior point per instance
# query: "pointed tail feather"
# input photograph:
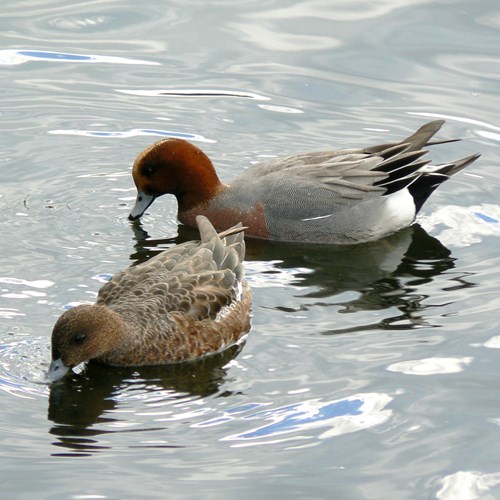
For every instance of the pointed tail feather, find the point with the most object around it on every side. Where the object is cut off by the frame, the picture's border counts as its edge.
(414, 142)
(433, 176)
(421, 137)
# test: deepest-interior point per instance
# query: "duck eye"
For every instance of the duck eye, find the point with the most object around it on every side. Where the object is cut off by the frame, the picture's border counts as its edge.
(79, 338)
(148, 170)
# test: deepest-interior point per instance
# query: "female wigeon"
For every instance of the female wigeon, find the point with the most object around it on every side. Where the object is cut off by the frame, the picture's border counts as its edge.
(186, 302)
(343, 196)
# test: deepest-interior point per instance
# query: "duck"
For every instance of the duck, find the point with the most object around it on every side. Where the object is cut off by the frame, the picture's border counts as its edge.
(345, 196)
(188, 301)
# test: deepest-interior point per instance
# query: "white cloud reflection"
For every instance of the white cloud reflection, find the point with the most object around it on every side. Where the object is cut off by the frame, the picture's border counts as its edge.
(468, 485)
(306, 420)
(463, 226)
(431, 366)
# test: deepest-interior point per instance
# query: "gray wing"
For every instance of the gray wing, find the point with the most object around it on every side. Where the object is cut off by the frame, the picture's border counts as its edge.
(327, 182)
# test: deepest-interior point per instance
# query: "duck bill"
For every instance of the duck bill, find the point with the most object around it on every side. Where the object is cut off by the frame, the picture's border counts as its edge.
(57, 370)
(142, 203)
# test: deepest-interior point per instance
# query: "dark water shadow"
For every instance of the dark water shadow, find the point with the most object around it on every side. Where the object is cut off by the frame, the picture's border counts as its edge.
(83, 406)
(390, 272)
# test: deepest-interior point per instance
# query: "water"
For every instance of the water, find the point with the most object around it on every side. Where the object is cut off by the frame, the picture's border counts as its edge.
(369, 372)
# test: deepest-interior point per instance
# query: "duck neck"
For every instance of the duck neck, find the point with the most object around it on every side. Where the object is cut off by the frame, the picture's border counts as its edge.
(113, 327)
(123, 337)
(198, 183)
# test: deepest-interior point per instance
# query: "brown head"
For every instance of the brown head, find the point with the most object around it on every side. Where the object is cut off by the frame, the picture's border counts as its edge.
(81, 334)
(173, 166)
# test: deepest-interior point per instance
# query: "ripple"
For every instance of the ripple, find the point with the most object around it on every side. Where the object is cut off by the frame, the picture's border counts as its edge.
(467, 485)
(492, 20)
(431, 366)
(464, 226)
(74, 23)
(492, 136)
(457, 118)
(341, 10)
(194, 93)
(124, 399)
(297, 420)
(471, 65)
(10, 57)
(10, 312)
(23, 363)
(265, 274)
(14, 292)
(280, 109)
(34, 284)
(493, 343)
(131, 133)
(270, 38)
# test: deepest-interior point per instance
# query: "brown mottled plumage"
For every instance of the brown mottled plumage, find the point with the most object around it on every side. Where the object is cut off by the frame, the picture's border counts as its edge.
(188, 301)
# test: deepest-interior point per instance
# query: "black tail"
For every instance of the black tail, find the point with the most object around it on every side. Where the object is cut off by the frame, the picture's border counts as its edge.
(405, 167)
(432, 176)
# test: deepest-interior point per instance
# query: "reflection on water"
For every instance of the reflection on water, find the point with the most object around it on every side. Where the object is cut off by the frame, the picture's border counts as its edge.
(464, 226)
(338, 269)
(295, 421)
(14, 57)
(431, 366)
(87, 405)
(196, 93)
(85, 84)
(468, 484)
(81, 403)
(130, 133)
(334, 268)
(390, 273)
(384, 274)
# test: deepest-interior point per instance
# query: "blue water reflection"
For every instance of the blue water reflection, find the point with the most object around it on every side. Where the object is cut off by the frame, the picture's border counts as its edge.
(334, 418)
(12, 57)
(305, 409)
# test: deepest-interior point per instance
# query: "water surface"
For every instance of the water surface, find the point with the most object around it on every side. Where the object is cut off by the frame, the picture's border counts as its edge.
(370, 371)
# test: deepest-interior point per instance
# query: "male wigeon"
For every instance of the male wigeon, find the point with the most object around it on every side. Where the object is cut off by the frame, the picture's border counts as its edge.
(186, 302)
(337, 196)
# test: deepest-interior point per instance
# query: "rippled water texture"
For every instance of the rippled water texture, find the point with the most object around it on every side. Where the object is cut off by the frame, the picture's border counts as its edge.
(370, 372)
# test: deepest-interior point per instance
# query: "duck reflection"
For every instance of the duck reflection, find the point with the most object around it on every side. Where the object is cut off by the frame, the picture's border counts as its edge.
(332, 269)
(82, 405)
(393, 272)
(390, 272)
